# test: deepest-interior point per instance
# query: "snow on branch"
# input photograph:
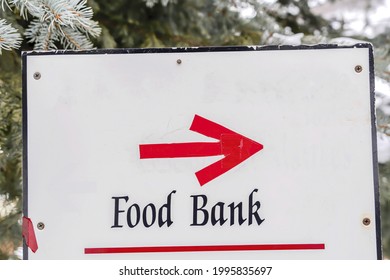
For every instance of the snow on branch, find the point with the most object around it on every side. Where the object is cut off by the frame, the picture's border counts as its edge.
(65, 22)
(26, 7)
(151, 3)
(41, 35)
(74, 39)
(9, 37)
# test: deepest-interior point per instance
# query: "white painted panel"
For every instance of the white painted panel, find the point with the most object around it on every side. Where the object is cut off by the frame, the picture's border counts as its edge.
(88, 114)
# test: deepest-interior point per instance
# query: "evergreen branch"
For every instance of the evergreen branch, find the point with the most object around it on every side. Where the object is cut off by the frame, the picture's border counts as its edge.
(5, 3)
(68, 22)
(72, 13)
(151, 3)
(9, 36)
(41, 35)
(25, 7)
(74, 39)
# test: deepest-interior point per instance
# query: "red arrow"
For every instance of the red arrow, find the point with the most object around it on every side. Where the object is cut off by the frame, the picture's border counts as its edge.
(235, 147)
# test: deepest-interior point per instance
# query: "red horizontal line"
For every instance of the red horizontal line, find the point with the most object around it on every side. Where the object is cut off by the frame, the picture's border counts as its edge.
(207, 248)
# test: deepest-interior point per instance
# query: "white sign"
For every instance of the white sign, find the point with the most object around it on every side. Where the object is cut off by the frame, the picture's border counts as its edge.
(201, 153)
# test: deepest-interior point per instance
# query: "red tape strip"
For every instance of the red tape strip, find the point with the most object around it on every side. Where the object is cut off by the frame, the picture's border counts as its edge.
(29, 234)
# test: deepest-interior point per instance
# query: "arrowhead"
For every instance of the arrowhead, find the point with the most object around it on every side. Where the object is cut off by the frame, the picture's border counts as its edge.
(235, 147)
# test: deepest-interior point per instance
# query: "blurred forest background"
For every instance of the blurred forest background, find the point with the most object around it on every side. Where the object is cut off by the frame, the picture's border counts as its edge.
(80, 24)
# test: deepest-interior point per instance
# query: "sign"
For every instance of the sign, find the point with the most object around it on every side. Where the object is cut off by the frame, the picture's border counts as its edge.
(201, 153)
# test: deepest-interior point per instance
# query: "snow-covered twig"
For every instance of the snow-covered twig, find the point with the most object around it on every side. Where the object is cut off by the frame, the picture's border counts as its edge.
(66, 22)
(151, 3)
(9, 37)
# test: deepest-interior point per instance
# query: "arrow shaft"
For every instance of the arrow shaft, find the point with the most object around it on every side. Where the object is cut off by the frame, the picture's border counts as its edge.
(177, 150)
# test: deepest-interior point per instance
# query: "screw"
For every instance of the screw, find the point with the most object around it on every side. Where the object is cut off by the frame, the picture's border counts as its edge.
(366, 221)
(358, 68)
(37, 75)
(178, 61)
(40, 226)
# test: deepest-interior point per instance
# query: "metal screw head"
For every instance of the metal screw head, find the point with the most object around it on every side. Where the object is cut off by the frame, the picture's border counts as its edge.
(178, 61)
(40, 226)
(366, 221)
(37, 75)
(358, 68)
